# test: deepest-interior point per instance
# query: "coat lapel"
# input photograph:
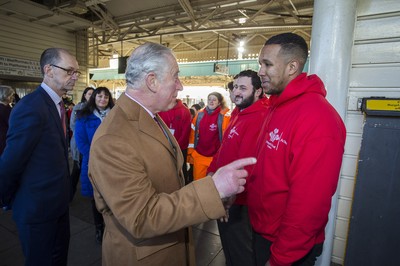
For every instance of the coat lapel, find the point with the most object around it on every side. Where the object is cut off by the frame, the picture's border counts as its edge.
(56, 117)
(148, 126)
(175, 146)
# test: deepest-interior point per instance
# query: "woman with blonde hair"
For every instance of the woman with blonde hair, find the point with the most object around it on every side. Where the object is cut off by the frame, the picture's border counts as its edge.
(208, 126)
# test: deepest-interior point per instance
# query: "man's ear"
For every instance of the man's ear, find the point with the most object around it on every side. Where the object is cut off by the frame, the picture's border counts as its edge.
(151, 82)
(48, 70)
(294, 66)
(258, 92)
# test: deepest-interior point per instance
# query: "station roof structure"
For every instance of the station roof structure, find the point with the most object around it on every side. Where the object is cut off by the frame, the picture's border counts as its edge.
(197, 30)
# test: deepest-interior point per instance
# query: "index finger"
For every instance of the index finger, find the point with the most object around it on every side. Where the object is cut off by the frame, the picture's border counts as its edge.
(239, 164)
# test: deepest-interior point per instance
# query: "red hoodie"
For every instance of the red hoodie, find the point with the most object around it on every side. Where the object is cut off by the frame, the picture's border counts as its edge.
(239, 140)
(178, 119)
(209, 138)
(301, 149)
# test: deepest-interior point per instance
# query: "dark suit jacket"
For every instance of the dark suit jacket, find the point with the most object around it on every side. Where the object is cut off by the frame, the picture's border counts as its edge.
(34, 171)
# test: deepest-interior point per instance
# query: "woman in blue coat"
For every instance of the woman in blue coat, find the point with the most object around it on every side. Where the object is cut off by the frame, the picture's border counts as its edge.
(88, 120)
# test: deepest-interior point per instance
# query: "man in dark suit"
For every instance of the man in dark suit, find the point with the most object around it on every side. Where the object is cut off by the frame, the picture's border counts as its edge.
(34, 171)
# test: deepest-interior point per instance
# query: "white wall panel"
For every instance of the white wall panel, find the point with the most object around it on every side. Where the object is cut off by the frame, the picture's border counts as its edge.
(354, 123)
(372, 7)
(376, 53)
(31, 30)
(346, 187)
(374, 76)
(344, 207)
(342, 228)
(379, 28)
(353, 144)
(339, 247)
(349, 166)
(82, 57)
(28, 40)
(374, 92)
(21, 39)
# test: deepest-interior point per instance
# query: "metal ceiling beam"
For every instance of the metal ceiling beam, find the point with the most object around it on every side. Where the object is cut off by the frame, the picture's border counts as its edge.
(295, 16)
(217, 16)
(185, 4)
(189, 45)
(154, 31)
(206, 19)
(203, 11)
(265, 6)
(107, 19)
(227, 29)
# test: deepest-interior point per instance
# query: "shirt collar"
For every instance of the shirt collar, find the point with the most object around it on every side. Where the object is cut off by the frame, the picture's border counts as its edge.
(54, 96)
(147, 110)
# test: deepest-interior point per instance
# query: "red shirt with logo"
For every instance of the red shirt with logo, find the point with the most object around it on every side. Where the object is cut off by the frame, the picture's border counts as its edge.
(301, 148)
(239, 140)
(208, 136)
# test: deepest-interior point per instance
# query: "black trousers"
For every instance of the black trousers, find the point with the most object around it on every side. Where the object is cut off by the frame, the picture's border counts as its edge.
(45, 244)
(262, 252)
(74, 178)
(190, 174)
(236, 237)
(97, 216)
(184, 166)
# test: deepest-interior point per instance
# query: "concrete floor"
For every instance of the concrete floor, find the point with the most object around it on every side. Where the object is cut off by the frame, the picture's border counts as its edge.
(84, 251)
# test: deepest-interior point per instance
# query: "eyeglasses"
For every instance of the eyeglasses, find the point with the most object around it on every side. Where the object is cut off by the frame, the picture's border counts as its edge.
(70, 72)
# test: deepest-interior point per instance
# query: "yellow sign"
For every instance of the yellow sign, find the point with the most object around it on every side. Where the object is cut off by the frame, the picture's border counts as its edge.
(383, 105)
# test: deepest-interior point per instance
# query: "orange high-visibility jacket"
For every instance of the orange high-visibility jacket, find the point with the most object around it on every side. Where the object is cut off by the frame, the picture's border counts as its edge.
(201, 162)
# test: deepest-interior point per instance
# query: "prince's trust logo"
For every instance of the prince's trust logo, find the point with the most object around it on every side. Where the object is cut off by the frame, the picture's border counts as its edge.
(232, 133)
(213, 127)
(275, 138)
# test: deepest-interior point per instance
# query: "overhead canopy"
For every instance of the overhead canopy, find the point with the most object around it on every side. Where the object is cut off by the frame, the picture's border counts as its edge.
(197, 30)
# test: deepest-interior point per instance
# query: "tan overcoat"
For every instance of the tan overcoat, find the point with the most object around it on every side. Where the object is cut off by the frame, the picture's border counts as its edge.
(138, 187)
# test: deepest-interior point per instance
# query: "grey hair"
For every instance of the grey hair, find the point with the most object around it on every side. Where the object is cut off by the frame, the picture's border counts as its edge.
(5, 92)
(148, 57)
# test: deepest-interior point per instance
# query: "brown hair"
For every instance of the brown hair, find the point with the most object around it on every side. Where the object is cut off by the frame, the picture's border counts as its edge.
(220, 98)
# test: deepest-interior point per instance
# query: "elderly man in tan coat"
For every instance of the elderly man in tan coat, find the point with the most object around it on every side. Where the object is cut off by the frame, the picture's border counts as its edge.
(135, 168)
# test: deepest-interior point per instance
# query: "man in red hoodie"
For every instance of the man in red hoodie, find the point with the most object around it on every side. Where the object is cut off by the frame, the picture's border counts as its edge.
(239, 141)
(178, 120)
(299, 158)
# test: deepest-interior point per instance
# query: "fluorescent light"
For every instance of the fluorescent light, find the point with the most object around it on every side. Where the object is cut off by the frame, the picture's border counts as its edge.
(242, 20)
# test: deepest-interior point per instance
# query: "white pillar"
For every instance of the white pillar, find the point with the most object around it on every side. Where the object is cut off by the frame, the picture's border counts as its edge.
(330, 58)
